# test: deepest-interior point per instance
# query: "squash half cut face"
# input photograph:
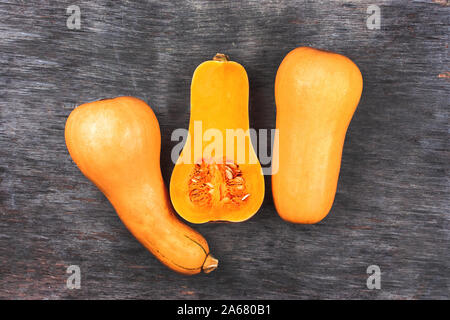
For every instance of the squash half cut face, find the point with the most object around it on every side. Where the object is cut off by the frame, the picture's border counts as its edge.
(218, 176)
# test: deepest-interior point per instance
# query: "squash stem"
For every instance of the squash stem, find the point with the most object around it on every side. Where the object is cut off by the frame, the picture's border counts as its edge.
(221, 57)
(210, 264)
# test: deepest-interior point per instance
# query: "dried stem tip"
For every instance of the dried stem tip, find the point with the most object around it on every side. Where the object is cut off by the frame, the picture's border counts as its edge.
(210, 264)
(221, 57)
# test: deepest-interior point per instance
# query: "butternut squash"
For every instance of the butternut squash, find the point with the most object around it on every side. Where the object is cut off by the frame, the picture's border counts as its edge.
(316, 94)
(116, 144)
(221, 180)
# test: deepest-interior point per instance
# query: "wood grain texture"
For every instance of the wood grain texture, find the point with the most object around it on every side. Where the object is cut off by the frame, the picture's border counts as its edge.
(392, 206)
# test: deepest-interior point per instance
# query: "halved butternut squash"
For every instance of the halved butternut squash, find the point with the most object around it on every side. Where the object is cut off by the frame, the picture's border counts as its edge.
(218, 176)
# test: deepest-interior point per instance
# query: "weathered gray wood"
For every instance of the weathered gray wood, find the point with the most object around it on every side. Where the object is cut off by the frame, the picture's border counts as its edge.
(392, 206)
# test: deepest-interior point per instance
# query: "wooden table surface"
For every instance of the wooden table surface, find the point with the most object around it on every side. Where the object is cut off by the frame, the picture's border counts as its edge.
(392, 205)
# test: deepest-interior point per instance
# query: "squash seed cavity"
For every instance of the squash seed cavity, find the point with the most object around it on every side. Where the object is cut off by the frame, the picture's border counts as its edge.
(213, 183)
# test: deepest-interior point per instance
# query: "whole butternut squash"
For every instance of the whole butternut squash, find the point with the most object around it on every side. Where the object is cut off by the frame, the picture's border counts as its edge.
(316, 94)
(116, 144)
(218, 176)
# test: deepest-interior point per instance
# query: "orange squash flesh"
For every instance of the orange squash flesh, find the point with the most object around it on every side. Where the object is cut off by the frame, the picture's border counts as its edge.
(316, 94)
(116, 144)
(223, 183)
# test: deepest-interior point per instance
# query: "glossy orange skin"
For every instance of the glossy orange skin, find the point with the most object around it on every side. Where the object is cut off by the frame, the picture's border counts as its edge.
(316, 94)
(116, 144)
